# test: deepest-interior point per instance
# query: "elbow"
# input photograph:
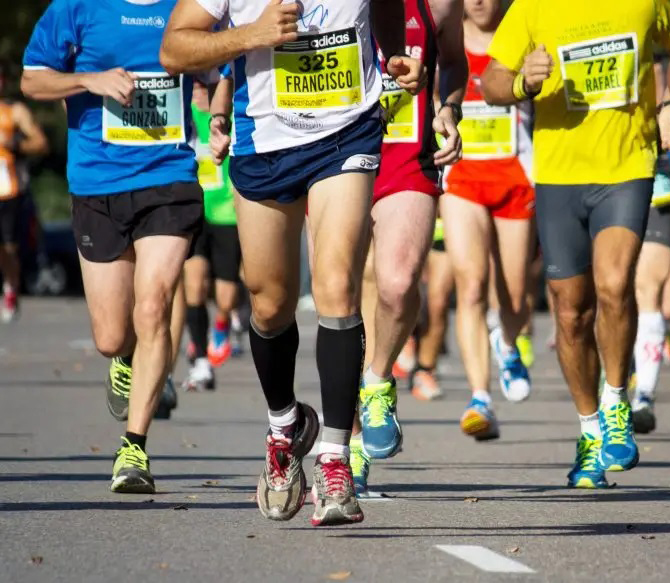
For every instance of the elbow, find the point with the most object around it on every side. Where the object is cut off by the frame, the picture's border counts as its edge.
(28, 86)
(169, 59)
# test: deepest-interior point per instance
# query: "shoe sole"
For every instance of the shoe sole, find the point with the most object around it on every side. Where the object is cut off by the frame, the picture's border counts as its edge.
(381, 454)
(478, 426)
(587, 484)
(333, 514)
(644, 421)
(132, 485)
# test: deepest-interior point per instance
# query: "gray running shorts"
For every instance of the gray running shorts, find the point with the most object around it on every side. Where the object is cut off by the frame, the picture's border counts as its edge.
(658, 226)
(570, 216)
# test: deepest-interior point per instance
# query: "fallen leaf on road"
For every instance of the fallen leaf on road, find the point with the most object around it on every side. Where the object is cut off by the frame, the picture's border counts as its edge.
(148, 500)
(646, 448)
(188, 444)
(163, 565)
(251, 536)
(513, 550)
(94, 448)
(340, 575)
(648, 537)
(471, 499)
(251, 498)
(36, 560)
(210, 484)
(78, 367)
(192, 496)
(180, 507)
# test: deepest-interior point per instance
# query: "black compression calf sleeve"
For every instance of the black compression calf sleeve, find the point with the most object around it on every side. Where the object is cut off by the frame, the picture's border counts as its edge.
(274, 356)
(340, 348)
(197, 320)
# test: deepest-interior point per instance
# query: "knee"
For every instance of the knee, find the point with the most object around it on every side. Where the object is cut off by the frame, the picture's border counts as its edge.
(472, 290)
(572, 320)
(335, 293)
(110, 343)
(152, 312)
(272, 308)
(396, 289)
(613, 290)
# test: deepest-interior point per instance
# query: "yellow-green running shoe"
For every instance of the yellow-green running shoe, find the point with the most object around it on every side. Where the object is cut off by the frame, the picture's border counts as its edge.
(524, 344)
(118, 388)
(131, 474)
(360, 465)
(382, 435)
(587, 471)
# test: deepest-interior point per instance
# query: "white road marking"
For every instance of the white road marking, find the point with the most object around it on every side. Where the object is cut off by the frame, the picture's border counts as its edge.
(372, 496)
(485, 559)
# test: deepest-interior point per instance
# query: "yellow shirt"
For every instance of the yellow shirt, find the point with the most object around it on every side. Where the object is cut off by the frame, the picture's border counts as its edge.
(595, 118)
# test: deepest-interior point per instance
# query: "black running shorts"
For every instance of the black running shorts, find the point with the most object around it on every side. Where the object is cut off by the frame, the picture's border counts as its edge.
(10, 220)
(570, 216)
(658, 226)
(106, 225)
(220, 245)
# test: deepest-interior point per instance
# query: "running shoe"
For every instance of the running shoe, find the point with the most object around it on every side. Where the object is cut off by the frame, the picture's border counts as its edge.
(587, 471)
(200, 377)
(131, 473)
(382, 434)
(220, 348)
(168, 400)
(406, 361)
(514, 378)
(333, 492)
(282, 486)
(360, 466)
(479, 421)
(524, 344)
(118, 388)
(10, 306)
(424, 385)
(619, 451)
(644, 419)
(237, 334)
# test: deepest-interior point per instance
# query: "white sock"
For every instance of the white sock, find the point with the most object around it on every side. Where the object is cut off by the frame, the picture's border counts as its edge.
(492, 319)
(336, 449)
(371, 378)
(649, 351)
(279, 422)
(591, 425)
(613, 395)
(482, 395)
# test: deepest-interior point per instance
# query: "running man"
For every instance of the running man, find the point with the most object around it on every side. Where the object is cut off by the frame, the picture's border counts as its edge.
(307, 122)
(20, 136)
(405, 200)
(488, 210)
(217, 252)
(135, 197)
(588, 68)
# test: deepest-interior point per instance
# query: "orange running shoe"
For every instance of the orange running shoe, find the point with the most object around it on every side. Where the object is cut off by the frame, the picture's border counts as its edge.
(424, 386)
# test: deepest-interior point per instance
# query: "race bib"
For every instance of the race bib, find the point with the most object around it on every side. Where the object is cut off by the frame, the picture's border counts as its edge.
(154, 118)
(210, 176)
(600, 73)
(487, 131)
(318, 72)
(401, 112)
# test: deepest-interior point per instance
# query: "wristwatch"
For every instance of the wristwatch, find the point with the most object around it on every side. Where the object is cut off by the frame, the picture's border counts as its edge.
(456, 108)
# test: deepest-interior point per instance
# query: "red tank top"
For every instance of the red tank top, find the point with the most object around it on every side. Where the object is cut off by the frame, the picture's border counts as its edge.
(409, 141)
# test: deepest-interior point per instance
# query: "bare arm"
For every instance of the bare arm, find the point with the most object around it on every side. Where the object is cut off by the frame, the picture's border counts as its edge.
(222, 100)
(497, 83)
(34, 141)
(190, 45)
(448, 18)
(388, 26)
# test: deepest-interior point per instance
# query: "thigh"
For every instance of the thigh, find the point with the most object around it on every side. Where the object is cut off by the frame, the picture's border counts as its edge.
(403, 225)
(108, 288)
(158, 265)
(196, 280)
(515, 240)
(468, 232)
(562, 225)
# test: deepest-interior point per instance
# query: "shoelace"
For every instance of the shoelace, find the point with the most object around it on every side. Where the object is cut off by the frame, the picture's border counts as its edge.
(121, 375)
(377, 406)
(337, 479)
(616, 421)
(279, 457)
(132, 455)
(587, 453)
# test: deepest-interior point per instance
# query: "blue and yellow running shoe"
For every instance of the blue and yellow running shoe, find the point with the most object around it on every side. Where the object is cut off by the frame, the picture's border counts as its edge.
(587, 471)
(360, 465)
(118, 388)
(479, 421)
(619, 451)
(131, 473)
(514, 378)
(382, 435)
(524, 343)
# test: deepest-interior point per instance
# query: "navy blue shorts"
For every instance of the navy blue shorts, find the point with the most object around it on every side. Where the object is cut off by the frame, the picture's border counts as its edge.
(286, 175)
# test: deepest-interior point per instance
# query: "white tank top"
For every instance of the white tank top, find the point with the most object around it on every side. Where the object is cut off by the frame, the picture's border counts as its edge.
(302, 91)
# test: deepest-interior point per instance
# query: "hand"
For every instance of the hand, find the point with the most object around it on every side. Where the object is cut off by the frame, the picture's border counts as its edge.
(219, 140)
(444, 124)
(278, 24)
(115, 83)
(664, 127)
(537, 67)
(411, 74)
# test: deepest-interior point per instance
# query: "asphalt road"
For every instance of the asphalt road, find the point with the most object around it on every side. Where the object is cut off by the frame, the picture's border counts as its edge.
(454, 508)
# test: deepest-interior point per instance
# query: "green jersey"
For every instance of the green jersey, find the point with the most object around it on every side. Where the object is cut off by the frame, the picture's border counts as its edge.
(215, 182)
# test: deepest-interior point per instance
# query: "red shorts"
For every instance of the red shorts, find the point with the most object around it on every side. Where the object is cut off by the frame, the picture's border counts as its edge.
(504, 201)
(403, 167)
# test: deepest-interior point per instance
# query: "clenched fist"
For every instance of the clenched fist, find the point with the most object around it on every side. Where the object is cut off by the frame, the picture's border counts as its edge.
(410, 74)
(537, 68)
(278, 24)
(115, 83)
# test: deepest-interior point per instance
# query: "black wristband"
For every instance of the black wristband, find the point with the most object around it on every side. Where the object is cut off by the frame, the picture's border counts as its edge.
(531, 94)
(456, 108)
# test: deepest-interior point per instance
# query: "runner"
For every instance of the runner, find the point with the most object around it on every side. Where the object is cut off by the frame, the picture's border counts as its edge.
(403, 215)
(306, 123)
(20, 136)
(589, 69)
(653, 270)
(217, 249)
(488, 214)
(136, 201)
